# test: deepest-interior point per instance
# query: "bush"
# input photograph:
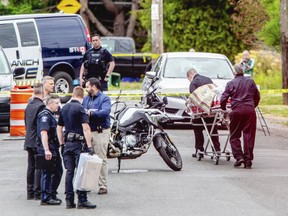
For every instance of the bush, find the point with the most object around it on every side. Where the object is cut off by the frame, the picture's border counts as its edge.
(267, 68)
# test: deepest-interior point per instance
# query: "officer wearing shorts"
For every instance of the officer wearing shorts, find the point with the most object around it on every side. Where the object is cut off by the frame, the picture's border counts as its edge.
(77, 140)
(98, 62)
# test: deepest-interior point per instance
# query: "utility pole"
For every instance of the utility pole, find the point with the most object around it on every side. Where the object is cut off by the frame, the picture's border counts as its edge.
(284, 47)
(157, 26)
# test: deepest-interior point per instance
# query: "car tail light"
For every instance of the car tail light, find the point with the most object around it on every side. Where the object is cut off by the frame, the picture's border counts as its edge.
(87, 34)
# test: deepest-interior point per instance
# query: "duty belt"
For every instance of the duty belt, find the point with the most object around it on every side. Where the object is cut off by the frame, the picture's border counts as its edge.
(74, 137)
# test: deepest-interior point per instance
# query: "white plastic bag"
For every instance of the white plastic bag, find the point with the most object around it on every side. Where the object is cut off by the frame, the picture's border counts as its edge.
(88, 171)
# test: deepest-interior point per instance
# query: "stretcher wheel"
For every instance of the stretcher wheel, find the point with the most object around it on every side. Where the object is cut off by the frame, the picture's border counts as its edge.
(216, 160)
(227, 156)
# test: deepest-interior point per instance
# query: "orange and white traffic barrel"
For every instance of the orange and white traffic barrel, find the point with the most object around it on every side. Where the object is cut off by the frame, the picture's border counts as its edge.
(18, 102)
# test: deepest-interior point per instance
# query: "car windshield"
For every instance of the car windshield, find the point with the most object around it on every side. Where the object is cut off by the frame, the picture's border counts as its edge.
(4, 66)
(211, 67)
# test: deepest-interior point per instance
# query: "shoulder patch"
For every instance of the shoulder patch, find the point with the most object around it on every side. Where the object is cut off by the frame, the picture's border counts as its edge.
(44, 119)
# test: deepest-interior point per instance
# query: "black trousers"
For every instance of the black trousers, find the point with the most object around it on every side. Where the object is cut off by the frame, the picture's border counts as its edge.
(33, 175)
(71, 157)
(198, 133)
(243, 120)
(56, 176)
(51, 180)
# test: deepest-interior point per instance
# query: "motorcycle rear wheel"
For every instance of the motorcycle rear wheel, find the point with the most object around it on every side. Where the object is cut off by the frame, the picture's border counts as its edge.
(169, 152)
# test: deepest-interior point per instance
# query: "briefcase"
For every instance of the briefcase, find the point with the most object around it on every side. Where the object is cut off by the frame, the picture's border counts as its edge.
(88, 171)
(43, 164)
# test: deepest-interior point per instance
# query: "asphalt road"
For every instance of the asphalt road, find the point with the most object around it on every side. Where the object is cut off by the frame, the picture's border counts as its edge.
(146, 186)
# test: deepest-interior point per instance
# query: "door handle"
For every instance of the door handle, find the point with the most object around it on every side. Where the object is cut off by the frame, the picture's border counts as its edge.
(17, 54)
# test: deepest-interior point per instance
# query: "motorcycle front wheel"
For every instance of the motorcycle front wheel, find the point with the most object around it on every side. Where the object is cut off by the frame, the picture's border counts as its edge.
(168, 152)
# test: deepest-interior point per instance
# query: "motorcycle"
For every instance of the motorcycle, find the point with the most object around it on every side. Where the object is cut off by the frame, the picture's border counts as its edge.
(134, 129)
(174, 107)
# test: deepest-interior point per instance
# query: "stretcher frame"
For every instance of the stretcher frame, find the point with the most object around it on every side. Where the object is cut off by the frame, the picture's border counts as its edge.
(220, 117)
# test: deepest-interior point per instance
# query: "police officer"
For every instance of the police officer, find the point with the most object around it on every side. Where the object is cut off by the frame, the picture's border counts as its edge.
(35, 105)
(99, 107)
(48, 83)
(75, 120)
(48, 146)
(244, 98)
(96, 61)
(197, 80)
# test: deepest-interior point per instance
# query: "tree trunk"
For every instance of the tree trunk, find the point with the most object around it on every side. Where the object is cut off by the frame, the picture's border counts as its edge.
(84, 7)
(97, 23)
(119, 24)
(132, 19)
(284, 48)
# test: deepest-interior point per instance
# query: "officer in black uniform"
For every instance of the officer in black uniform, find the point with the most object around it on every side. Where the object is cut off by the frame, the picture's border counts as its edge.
(75, 120)
(48, 147)
(98, 62)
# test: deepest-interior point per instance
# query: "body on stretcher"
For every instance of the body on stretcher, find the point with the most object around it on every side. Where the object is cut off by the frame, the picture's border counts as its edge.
(220, 118)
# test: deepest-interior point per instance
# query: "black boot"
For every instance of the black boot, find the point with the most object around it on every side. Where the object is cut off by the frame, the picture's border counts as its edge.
(86, 205)
(70, 204)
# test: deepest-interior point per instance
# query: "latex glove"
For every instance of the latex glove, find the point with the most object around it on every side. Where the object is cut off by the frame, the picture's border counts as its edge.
(90, 150)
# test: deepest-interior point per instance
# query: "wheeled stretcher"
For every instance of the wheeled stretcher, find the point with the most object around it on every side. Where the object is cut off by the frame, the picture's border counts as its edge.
(220, 119)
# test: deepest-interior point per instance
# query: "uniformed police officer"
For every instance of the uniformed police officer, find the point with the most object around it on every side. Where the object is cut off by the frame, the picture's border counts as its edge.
(244, 98)
(75, 120)
(99, 107)
(96, 61)
(48, 83)
(48, 146)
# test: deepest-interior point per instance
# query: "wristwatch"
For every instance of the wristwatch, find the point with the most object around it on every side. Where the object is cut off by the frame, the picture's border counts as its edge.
(107, 76)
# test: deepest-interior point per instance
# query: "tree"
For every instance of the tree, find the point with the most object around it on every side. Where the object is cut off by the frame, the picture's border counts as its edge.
(248, 17)
(206, 25)
(284, 47)
(123, 17)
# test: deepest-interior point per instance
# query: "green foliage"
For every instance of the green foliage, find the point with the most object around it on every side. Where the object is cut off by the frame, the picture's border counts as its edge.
(267, 68)
(270, 32)
(203, 26)
(248, 18)
(22, 7)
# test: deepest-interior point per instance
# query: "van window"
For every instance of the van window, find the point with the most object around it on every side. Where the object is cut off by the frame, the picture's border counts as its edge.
(11, 40)
(28, 34)
(4, 65)
(58, 32)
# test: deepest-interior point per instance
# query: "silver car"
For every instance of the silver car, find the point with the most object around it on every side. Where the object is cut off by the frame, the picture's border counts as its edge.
(171, 68)
(168, 76)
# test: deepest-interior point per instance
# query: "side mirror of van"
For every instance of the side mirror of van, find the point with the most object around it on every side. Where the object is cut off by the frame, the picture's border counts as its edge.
(18, 71)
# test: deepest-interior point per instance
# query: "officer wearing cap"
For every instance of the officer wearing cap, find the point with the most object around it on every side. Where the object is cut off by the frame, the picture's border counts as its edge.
(75, 120)
(99, 63)
(48, 146)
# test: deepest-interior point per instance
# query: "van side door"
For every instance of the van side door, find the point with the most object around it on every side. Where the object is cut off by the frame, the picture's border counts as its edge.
(20, 40)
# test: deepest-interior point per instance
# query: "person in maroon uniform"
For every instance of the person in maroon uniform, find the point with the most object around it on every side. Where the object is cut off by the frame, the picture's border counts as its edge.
(245, 98)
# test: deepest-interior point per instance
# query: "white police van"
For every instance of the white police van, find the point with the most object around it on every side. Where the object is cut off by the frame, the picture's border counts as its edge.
(6, 84)
(45, 44)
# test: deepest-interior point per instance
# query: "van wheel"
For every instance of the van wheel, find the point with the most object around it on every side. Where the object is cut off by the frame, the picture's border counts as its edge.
(63, 84)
